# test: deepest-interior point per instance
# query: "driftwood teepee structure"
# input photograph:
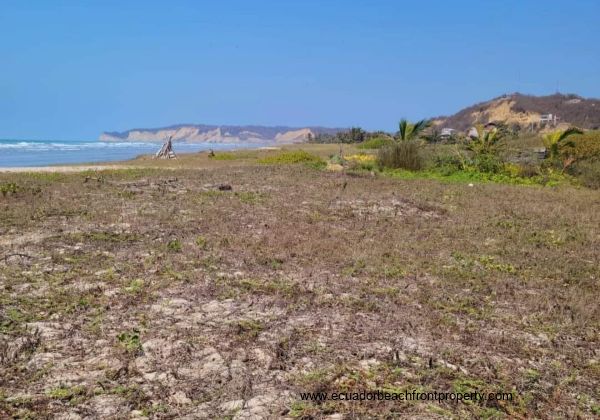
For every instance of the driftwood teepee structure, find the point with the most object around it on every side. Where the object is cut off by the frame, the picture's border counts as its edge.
(166, 151)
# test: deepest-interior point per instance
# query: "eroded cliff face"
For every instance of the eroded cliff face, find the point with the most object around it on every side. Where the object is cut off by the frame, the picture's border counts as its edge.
(219, 134)
(525, 110)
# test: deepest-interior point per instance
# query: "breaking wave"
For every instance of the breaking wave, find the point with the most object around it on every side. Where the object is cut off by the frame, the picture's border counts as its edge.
(72, 146)
(51, 152)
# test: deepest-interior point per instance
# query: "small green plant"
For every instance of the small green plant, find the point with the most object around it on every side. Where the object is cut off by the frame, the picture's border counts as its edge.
(249, 328)
(9, 188)
(276, 263)
(66, 393)
(248, 197)
(130, 341)
(174, 245)
(201, 242)
(135, 287)
(490, 263)
(12, 319)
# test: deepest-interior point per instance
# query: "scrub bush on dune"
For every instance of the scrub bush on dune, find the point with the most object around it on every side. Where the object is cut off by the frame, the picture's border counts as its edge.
(403, 155)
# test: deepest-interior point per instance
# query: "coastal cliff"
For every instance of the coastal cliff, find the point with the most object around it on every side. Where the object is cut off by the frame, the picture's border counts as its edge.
(193, 133)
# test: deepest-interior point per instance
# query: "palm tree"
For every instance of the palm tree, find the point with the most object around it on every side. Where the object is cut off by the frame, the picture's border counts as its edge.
(409, 131)
(553, 141)
(486, 142)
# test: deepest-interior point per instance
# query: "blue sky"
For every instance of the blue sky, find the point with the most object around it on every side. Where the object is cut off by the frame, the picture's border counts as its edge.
(72, 69)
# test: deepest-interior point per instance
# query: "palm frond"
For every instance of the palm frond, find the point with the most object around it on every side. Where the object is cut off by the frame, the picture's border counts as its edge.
(569, 132)
(403, 128)
(420, 126)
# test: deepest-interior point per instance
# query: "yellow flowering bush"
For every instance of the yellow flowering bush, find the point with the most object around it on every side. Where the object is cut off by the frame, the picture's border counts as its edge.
(362, 158)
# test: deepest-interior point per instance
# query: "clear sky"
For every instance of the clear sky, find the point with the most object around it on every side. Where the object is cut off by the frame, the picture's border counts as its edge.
(72, 69)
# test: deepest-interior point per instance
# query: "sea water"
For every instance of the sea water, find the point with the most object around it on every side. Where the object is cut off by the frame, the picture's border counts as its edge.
(15, 153)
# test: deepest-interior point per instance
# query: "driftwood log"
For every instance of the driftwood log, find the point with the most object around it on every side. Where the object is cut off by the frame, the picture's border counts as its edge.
(166, 151)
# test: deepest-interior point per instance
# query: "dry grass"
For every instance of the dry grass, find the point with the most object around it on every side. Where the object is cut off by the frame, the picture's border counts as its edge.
(152, 293)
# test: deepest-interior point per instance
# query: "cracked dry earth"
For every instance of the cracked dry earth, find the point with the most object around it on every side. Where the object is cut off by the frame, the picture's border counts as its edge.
(153, 294)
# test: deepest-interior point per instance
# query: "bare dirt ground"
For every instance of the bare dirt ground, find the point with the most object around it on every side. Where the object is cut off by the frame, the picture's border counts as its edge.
(152, 293)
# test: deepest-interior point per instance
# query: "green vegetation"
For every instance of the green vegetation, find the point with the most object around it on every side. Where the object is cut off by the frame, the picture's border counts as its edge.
(249, 328)
(174, 245)
(487, 156)
(66, 393)
(409, 131)
(237, 155)
(553, 141)
(498, 153)
(135, 287)
(581, 156)
(466, 176)
(575, 153)
(588, 172)
(353, 135)
(291, 157)
(486, 142)
(405, 155)
(376, 143)
(8, 188)
(202, 242)
(130, 341)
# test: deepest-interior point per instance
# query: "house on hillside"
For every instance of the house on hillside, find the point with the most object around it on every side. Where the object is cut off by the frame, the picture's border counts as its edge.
(550, 119)
(446, 133)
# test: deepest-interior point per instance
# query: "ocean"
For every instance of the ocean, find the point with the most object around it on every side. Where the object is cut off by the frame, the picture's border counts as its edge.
(17, 153)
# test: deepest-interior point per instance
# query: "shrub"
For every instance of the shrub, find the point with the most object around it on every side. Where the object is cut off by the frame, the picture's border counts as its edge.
(405, 155)
(375, 143)
(449, 164)
(297, 156)
(588, 172)
(553, 141)
(361, 158)
(486, 142)
(527, 170)
(512, 169)
(580, 147)
(362, 161)
(488, 163)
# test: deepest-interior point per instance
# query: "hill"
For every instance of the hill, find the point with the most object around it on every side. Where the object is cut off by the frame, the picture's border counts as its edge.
(526, 110)
(197, 133)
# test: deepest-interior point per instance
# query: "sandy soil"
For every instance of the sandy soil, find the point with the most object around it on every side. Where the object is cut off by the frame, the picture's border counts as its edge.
(148, 293)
